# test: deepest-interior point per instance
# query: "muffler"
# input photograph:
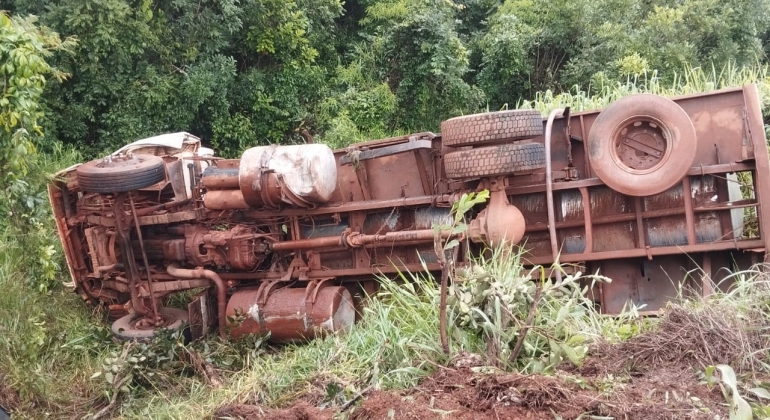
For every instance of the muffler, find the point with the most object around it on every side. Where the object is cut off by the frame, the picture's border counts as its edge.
(291, 314)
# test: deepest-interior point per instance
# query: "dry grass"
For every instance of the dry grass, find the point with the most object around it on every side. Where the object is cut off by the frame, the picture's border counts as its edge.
(462, 394)
(9, 399)
(694, 335)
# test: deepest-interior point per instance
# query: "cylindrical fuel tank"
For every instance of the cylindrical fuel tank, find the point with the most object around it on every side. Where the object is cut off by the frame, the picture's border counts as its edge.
(215, 178)
(308, 171)
(224, 200)
(288, 316)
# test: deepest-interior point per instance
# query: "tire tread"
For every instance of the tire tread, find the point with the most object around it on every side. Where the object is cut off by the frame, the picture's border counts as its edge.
(491, 127)
(495, 160)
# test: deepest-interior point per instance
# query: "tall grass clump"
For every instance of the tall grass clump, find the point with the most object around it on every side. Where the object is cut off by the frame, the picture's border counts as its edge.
(50, 342)
(691, 80)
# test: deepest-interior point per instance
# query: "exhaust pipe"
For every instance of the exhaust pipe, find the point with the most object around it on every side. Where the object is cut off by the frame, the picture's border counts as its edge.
(200, 273)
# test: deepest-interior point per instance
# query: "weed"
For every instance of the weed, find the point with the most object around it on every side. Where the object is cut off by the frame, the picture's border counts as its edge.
(524, 324)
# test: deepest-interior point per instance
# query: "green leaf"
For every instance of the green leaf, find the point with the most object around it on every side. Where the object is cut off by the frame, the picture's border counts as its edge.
(760, 392)
(572, 354)
(739, 408)
(464, 308)
(728, 377)
(562, 314)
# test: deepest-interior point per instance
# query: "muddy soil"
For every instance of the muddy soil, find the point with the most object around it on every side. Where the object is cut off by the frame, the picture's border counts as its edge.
(664, 394)
(669, 392)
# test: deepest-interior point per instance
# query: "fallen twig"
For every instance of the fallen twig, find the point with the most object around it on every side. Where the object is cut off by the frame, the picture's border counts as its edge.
(205, 369)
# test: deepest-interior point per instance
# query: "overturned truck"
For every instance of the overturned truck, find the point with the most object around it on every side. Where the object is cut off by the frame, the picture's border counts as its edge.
(650, 192)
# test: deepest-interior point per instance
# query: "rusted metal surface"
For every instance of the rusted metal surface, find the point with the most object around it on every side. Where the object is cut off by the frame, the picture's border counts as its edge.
(272, 232)
(355, 155)
(500, 223)
(291, 314)
(218, 282)
(351, 239)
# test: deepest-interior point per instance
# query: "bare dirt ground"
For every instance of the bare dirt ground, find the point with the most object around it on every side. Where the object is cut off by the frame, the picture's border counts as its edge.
(657, 394)
(668, 392)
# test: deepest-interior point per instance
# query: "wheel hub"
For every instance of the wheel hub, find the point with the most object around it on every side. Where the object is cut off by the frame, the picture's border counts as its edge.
(145, 323)
(640, 145)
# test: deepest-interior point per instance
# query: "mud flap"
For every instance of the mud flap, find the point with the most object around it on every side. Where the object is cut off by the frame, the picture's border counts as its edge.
(202, 311)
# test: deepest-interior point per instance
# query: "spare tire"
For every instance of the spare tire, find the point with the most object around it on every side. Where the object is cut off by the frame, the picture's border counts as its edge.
(495, 160)
(642, 145)
(121, 173)
(491, 127)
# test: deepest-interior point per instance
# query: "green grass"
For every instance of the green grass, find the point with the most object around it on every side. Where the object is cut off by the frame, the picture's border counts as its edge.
(50, 342)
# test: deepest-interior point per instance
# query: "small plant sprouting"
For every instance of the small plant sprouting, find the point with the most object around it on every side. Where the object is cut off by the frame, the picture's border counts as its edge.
(447, 252)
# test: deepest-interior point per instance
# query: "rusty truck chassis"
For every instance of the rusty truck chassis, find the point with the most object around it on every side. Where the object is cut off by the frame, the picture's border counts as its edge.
(268, 250)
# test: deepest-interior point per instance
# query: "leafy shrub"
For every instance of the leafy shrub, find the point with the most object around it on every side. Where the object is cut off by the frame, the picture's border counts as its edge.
(521, 315)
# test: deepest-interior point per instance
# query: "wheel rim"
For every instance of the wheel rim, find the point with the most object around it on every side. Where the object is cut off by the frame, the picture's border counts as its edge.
(641, 145)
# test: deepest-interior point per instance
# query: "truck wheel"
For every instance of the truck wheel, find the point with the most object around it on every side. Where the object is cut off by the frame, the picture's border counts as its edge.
(495, 160)
(121, 174)
(491, 127)
(126, 329)
(642, 145)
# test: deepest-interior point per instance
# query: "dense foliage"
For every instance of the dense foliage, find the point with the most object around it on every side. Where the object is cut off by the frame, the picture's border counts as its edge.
(245, 72)
(24, 49)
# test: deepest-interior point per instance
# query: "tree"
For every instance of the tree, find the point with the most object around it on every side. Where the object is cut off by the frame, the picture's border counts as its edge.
(24, 48)
(423, 60)
(243, 72)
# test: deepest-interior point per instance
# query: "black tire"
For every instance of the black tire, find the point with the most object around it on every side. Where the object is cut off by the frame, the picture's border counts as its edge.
(125, 328)
(491, 127)
(121, 174)
(642, 145)
(495, 160)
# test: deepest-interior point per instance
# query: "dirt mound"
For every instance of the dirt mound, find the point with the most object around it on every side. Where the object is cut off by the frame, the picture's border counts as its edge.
(667, 392)
(651, 376)
(696, 337)
(461, 394)
(301, 410)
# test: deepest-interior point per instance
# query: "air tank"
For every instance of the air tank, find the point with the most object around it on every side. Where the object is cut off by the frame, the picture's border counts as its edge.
(303, 175)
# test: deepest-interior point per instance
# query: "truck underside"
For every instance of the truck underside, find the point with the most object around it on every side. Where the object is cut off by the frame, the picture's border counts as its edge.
(650, 192)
